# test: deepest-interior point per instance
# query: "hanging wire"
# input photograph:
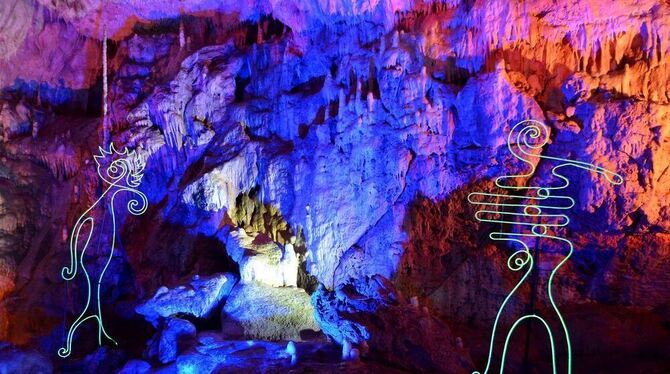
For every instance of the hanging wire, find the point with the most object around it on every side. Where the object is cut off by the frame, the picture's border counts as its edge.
(69, 296)
(105, 122)
(65, 307)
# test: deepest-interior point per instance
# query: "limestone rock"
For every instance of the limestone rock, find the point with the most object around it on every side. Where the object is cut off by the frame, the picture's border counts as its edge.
(7, 272)
(369, 313)
(262, 260)
(214, 352)
(15, 121)
(199, 298)
(136, 367)
(257, 311)
(497, 107)
(219, 188)
(174, 336)
(578, 86)
(359, 127)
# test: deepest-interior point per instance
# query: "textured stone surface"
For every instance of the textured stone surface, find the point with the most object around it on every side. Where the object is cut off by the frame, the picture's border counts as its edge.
(198, 299)
(101, 359)
(355, 129)
(135, 367)
(369, 313)
(262, 260)
(16, 360)
(173, 336)
(257, 311)
(213, 352)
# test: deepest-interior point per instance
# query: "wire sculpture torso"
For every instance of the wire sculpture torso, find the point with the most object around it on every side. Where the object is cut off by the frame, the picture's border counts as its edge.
(531, 213)
(121, 172)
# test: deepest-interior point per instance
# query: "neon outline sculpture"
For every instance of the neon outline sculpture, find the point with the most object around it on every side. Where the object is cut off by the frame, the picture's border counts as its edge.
(532, 206)
(123, 174)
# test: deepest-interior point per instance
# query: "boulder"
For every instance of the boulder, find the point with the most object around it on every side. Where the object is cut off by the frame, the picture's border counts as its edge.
(258, 311)
(368, 313)
(173, 337)
(199, 298)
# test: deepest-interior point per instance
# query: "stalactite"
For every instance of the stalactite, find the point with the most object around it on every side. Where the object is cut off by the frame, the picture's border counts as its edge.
(182, 38)
(625, 81)
(259, 33)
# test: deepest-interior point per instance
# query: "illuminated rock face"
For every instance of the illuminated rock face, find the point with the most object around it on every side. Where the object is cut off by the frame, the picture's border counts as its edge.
(198, 299)
(261, 312)
(174, 335)
(356, 127)
(262, 260)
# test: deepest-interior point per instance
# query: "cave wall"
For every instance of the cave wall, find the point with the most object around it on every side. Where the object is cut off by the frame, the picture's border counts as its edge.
(358, 128)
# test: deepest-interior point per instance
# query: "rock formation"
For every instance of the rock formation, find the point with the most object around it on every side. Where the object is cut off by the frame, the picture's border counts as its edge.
(262, 260)
(261, 312)
(370, 314)
(296, 143)
(198, 299)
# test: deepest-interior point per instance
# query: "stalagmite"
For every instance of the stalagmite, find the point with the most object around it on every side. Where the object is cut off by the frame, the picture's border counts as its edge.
(346, 350)
(292, 352)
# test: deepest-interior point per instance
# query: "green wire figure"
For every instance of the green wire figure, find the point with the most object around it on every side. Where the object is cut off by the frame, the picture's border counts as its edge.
(121, 172)
(533, 212)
